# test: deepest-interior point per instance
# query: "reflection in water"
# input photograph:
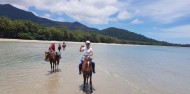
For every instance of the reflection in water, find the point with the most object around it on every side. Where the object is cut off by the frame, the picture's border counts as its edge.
(52, 83)
(53, 71)
(87, 89)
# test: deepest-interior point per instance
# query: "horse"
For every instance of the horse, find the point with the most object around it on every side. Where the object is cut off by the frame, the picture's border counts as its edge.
(87, 72)
(54, 59)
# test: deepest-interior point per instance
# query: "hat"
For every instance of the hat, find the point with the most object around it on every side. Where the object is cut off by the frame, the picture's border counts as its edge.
(52, 42)
(87, 42)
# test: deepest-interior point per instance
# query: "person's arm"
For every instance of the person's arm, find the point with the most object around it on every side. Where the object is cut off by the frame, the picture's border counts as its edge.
(51, 50)
(81, 48)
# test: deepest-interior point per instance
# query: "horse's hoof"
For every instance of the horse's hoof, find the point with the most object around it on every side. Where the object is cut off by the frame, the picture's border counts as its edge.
(91, 89)
(84, 88)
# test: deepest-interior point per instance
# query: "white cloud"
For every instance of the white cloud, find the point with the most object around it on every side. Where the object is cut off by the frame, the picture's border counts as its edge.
(165, 11)
(88, 11)
(35, 13)
(59, 19)
(16, 3)
(136, 21)
(105, 11)
(91, 11)
(122, 15)
(47, 15)
(178, 34)
(182, 31)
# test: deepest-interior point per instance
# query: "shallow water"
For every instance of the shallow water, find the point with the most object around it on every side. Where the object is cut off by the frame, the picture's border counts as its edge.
(145, 69)
(150, 69)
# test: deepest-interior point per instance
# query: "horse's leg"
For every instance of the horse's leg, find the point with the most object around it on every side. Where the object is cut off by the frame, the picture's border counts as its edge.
(57, 64)
(56, 68)
(91, 83)
(84, 82)
(51, 64)
(87, 79)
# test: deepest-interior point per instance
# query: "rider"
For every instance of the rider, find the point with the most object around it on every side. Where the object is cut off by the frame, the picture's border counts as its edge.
(52, 47)
(88, 52)
(59, 47)
(64, 45)
(59, 53)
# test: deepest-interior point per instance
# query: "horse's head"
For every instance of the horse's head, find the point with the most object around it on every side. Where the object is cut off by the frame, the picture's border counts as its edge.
(47, 56)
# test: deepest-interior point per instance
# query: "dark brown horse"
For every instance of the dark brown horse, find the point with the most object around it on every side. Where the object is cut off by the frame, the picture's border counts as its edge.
(87, 72)
(54, 59)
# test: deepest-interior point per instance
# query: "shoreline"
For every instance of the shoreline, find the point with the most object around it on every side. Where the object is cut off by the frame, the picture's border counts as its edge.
(48, 41)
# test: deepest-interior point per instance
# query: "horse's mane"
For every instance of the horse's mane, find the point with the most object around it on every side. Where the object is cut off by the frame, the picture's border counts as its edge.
(87, 66)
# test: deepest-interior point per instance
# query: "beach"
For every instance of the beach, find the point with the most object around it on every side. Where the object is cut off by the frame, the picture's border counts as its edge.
(120, 69)
(40, 80)
(46, 41)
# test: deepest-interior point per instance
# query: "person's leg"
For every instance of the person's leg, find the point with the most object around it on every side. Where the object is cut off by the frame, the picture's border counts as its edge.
(93, 67)
(80, 67)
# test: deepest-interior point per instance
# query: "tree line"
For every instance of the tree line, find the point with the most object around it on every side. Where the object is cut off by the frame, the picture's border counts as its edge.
(24, 29)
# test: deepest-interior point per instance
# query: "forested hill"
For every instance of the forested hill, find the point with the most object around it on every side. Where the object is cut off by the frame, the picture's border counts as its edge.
(23, 29)
(125, 35)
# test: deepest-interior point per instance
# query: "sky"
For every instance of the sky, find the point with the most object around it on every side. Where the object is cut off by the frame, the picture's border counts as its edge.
(163, 20)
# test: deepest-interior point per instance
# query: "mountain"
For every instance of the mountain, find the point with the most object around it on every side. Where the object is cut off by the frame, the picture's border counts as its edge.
(125, 35)
(79, 26)
(15, 13)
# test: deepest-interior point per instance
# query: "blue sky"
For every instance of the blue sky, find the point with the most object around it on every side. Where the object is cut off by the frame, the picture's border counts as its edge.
(164, 20)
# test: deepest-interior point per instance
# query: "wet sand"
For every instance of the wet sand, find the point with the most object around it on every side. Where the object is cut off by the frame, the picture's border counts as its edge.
(38, 79)
(66, 80)
(44, 41)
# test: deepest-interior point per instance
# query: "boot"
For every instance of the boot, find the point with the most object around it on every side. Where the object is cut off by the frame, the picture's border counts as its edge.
(93, 67)
(94, 70)
(79, 71)
(80, 68)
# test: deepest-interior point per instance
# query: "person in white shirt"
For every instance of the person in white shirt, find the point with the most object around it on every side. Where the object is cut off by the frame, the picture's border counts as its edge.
(88, 52)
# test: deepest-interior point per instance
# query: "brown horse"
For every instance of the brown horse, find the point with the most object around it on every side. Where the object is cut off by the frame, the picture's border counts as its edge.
(54, 59)
(87, 72)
